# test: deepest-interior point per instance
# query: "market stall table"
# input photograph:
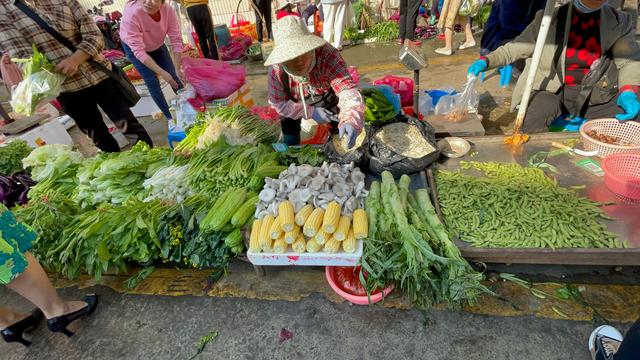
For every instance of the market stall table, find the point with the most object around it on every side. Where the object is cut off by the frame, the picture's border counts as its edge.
(626, 214)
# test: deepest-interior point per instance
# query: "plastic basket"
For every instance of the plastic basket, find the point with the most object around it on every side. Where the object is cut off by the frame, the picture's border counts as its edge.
(628, 132)
(622, 174)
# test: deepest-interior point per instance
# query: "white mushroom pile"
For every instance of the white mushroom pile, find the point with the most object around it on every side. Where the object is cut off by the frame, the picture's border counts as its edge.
(305, 184)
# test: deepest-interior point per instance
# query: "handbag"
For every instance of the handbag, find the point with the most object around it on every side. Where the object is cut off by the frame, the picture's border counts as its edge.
(127, 89)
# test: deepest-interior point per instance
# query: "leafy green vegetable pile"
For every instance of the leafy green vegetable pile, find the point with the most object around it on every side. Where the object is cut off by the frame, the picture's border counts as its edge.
(108, 238)
(54, 167)
(408, 246)
(48, 215)
(11, 156)
(514, 206)
(115, 177)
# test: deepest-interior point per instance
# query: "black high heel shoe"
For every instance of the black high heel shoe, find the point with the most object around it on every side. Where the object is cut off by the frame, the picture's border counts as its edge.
(13, 333)
(60, 323)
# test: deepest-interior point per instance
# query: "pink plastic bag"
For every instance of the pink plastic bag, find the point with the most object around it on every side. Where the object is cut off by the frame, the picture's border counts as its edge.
(355, 75)
(213, 79)
(11, 74)
(401, 85)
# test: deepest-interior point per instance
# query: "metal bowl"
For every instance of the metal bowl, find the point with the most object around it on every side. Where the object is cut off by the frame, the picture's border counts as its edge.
(454, 147)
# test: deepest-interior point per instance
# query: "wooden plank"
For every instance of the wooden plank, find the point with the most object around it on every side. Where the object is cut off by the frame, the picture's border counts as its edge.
(607, 257)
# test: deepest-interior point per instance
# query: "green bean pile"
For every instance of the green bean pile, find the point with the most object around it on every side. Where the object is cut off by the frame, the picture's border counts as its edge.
(516, 207)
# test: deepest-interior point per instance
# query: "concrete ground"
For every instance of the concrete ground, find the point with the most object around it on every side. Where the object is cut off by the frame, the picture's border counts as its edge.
(159, 327)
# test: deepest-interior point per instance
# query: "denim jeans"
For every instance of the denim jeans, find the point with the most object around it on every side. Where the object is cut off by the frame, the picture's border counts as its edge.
(163, 59)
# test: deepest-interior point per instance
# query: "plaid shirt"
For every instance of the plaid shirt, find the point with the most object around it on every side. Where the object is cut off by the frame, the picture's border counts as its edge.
(330, 71)
(18, 32)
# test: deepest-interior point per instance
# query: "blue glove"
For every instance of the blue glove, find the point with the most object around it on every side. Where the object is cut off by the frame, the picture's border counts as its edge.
(505, 75)
(477, 67)
(323, 116)
(574, 123)
(350, 133)
(628, 101)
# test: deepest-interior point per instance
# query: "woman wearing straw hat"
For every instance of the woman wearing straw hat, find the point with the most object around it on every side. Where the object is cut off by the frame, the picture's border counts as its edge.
(308, 79)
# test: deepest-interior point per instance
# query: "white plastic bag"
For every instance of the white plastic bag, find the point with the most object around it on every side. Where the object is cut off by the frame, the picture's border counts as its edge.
(470, 7)
(455, 107)
(35, 90)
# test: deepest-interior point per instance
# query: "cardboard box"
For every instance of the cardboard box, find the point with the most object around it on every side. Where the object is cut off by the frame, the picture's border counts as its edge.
(50, 132)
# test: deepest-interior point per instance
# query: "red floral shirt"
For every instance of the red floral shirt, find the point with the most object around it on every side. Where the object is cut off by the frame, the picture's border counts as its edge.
(583, 47)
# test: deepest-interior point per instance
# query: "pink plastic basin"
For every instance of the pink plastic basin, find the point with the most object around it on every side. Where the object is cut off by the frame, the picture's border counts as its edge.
(354, 299)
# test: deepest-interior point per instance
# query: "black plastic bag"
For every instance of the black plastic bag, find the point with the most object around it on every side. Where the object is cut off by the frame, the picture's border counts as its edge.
(357, 155)
(382, 157)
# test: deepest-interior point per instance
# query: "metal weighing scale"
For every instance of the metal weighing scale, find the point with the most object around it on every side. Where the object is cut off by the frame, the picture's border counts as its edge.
(414, 60)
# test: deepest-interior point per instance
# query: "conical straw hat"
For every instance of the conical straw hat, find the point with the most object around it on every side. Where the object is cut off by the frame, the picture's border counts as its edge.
(292, 39)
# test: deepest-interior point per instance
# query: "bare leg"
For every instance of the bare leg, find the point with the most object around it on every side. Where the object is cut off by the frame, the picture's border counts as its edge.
(448, 38)
(34, 285)
(469, 32)
(8, 317)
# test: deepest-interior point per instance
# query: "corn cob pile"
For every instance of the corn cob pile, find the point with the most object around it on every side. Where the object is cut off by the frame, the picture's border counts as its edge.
(310, 230)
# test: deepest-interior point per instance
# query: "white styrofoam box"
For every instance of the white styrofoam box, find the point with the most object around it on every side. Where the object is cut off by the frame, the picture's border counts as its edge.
(50, 132)
(146, 106)
(66, 121)
(306, 259)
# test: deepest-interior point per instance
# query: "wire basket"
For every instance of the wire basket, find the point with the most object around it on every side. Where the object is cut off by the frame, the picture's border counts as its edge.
(626, 132)
(622, 174)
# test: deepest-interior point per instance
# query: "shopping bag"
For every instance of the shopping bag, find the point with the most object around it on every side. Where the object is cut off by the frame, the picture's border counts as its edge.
(470, 7)
(401, 85)
(238, 21)
(455, 107)
(213, 79)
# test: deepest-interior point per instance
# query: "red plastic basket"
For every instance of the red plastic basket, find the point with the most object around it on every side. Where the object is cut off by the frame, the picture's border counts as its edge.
(622, 174)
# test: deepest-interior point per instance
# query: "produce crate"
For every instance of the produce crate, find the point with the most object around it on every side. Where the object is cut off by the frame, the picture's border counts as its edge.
(306, 259)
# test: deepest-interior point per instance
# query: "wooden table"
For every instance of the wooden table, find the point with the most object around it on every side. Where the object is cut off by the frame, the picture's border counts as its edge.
(626, 214)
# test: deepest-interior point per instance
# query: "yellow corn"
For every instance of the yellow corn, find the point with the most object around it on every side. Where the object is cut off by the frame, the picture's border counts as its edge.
(291, 236)
(303, 214)
(279, 246)
(332, 246)
(313, 246)
(275, 231)
(322, 237)
(313, 223)
(343, 228)
(349, 244)
(331, 217)
(299, 246)
(360, 224)
(265, 238)
(254, 239)
(285, 213)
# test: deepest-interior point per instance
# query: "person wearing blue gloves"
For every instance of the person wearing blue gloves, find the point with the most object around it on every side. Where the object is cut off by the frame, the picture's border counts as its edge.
(589, 68)
(308, 79)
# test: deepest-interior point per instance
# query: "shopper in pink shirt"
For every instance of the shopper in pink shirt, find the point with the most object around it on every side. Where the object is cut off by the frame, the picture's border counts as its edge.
(145, 25)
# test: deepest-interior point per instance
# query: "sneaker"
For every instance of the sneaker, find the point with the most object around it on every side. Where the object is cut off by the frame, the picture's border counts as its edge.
(604, 342)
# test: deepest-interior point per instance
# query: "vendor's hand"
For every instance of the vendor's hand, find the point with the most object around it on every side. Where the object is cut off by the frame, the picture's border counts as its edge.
(477, 67)
(323, 116)
(348, 131)
(69, 66)
(628, 101)
(169, 79)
